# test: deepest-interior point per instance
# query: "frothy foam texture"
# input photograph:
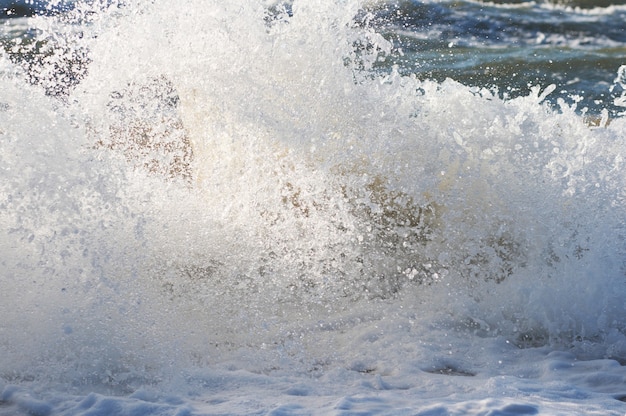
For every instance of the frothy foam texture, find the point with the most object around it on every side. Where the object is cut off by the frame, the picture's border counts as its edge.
(222, 174)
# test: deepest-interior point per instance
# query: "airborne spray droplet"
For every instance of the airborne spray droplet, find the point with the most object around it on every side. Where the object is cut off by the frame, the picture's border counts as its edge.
(230, 193)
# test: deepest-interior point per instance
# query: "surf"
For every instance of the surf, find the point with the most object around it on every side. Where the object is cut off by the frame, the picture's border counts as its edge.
(244, 173)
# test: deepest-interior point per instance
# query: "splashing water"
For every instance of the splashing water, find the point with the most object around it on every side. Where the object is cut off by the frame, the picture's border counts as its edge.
(178, 183)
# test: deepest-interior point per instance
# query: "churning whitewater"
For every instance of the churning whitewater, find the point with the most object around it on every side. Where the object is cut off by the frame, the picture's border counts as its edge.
(229, 208)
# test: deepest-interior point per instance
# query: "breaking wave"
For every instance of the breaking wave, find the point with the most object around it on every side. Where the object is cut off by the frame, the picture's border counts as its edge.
(180, 183)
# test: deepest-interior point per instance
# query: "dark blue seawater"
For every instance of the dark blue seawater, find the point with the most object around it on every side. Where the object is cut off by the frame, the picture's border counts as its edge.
(577, 46)
(23, 8)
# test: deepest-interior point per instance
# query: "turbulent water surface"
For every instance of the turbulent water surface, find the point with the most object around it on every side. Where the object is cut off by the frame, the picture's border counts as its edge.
(510, 46)
(312, 207)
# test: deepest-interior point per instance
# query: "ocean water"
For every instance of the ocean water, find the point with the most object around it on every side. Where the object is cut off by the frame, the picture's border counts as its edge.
(510, 46)
(298, 208)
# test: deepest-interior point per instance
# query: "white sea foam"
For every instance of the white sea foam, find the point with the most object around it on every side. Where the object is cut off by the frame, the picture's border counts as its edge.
(228, 212)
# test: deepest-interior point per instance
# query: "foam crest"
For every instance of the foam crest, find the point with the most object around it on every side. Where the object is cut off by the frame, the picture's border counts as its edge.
(226, 172)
